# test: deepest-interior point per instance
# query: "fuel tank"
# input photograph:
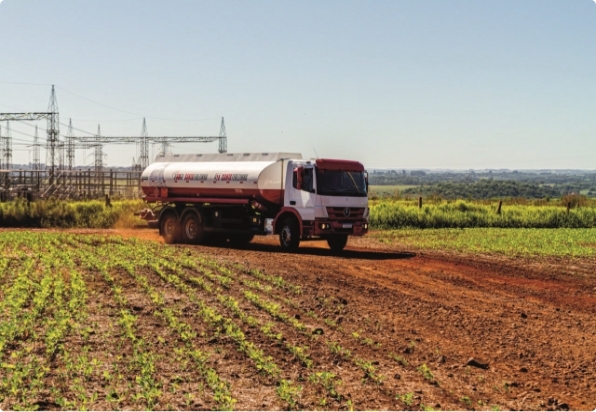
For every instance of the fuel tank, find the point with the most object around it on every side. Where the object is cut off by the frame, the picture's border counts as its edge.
(257, 176)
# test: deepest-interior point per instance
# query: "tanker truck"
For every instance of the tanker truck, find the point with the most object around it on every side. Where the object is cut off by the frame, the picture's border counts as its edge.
(233, 197)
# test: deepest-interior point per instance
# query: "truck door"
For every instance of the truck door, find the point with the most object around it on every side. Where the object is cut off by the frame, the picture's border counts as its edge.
(303, 191)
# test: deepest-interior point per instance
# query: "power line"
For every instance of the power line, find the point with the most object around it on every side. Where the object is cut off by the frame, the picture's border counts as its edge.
(132, 113)
(23, 133)
(77, 129)
(98, 103)
(12, 107)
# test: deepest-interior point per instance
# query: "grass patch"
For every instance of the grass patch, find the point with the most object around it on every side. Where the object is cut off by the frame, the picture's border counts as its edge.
(68, 214)
(395, 214)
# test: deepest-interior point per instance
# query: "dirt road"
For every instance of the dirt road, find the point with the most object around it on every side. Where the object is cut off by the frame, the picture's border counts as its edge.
(490, 332)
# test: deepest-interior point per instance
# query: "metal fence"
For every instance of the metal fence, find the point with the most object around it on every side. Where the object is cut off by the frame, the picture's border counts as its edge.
(69, 184)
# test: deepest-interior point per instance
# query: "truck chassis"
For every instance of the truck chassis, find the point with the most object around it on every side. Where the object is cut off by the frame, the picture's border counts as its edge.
(213, 221)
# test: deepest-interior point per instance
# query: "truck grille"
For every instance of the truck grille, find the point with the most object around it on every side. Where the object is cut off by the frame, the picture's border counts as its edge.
(339, 213)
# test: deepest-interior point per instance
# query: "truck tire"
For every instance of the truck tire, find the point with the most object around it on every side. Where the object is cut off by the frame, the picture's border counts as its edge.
(192, 228)
(289, 238)
(170, 229)
(337, 243)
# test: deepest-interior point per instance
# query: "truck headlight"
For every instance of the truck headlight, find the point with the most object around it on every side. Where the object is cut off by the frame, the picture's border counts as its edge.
(365, 226)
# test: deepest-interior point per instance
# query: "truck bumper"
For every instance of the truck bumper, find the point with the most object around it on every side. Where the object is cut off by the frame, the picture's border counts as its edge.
(323, 227)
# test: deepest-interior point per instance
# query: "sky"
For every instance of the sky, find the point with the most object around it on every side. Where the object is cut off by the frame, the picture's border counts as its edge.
(434, 84)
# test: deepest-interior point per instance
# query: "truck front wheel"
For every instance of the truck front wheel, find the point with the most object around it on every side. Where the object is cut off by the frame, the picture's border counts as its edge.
(289, 237)
(192, 229)
(337, 243)
(170, 229)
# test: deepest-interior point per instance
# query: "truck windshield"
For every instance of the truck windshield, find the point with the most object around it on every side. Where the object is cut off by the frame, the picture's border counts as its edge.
(340, 183)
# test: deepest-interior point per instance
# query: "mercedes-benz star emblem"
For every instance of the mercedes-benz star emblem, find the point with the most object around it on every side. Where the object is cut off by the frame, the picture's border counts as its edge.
(347, 212)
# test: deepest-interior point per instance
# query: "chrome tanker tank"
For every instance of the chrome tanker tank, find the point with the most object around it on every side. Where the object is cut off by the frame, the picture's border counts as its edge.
(257, 176)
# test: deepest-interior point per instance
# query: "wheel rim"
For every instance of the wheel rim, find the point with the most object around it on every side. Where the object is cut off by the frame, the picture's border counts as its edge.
(191, 229)
(170, 227)
(286, 235)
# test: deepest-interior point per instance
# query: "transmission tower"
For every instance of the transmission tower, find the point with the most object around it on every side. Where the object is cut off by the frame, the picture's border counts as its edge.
(164, 148)
(223, 138)
(53, 133)
(7, 149)
(36, 160)
(70, 153)
(144, 159)
(60, 155)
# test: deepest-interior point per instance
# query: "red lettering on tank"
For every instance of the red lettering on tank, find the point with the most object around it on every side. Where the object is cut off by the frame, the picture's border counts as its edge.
(177, 176)
(231, 177)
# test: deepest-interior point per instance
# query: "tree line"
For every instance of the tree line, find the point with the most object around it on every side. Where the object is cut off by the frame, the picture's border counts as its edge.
(490, 189)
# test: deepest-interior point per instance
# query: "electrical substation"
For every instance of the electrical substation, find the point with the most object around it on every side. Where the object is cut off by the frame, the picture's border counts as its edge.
(59, 177)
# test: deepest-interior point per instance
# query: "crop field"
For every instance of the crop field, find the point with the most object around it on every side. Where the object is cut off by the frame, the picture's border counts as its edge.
(509, 242)
(97, 321)
(90, 322)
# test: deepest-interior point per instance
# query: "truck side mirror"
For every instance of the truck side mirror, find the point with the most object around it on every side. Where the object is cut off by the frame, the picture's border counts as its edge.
(366, 181)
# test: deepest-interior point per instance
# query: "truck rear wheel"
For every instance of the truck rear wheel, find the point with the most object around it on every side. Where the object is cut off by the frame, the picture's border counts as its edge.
(192, 228)
(337, 243)
(289, 238)
(170, 229)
